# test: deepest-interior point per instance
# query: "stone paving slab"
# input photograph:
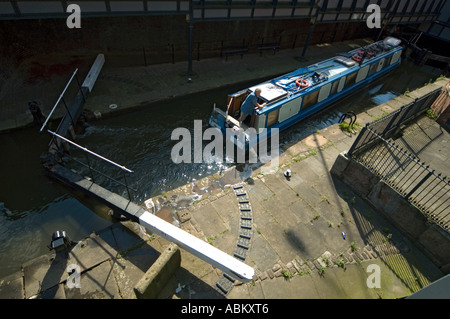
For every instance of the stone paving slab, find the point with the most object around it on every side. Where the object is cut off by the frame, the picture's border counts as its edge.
(91, 252)
(11, 287)
(43, 273)
(285, 227)
(97, 283)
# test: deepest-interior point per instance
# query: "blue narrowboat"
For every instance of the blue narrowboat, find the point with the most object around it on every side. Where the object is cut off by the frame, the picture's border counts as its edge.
(297, 95)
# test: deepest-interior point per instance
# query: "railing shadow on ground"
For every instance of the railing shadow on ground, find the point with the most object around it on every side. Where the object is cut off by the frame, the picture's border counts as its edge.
(371, 230)
(367, 147)
(375, 231)
(387, 241)
(375, 149)
(420, 141)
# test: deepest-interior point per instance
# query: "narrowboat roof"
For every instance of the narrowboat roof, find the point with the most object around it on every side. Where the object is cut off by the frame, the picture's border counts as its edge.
(317, 75)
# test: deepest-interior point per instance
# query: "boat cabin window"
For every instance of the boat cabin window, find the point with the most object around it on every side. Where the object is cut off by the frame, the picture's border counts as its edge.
(234, 103)
(380, 64)
(289, 109)
(324, 92)
(350, 79)
(373, 68)
(334, 87)
(362, 73)
(387, 61)
(310, 99)
(272, 118)
(341, 83)
(395, 57)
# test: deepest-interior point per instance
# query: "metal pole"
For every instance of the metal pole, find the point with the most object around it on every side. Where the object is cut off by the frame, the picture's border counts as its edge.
(60, 97)
(191, 26)
(90, 152)
(126, 185)
(80, 89)
(68, 112)
(90, 168)
(145, 57)
(358, 138)
(419, 184)
(308, 38)
(198, 51)
(173, 54)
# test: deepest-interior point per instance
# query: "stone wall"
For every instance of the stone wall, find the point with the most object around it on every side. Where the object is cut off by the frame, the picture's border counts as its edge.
(156, 278)
(161, 36)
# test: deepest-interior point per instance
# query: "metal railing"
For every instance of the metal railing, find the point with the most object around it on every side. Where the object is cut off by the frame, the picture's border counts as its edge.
(390, 124)
(417, 182)
(88, 152)
(61, 98)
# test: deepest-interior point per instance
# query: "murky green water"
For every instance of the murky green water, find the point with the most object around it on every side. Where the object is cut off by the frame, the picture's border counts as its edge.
(33, 206)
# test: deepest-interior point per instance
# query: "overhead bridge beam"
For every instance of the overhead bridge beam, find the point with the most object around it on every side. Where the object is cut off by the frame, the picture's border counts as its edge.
(24, 9)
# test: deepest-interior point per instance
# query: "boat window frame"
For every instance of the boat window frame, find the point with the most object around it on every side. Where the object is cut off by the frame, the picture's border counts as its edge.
(258, 118)
(342, 81)
(373, 68)
(334, 87)
(272, 117)
(362, 73)
(380, 64)
(290, 109)
(396, 56)
(311, 96)
(387, 61)
(351, 79)
(322, 94)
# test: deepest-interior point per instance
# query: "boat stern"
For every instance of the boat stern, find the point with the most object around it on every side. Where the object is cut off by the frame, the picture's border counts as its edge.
(218, 119)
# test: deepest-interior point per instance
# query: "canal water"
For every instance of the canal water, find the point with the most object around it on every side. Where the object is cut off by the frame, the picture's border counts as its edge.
(33, 206)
